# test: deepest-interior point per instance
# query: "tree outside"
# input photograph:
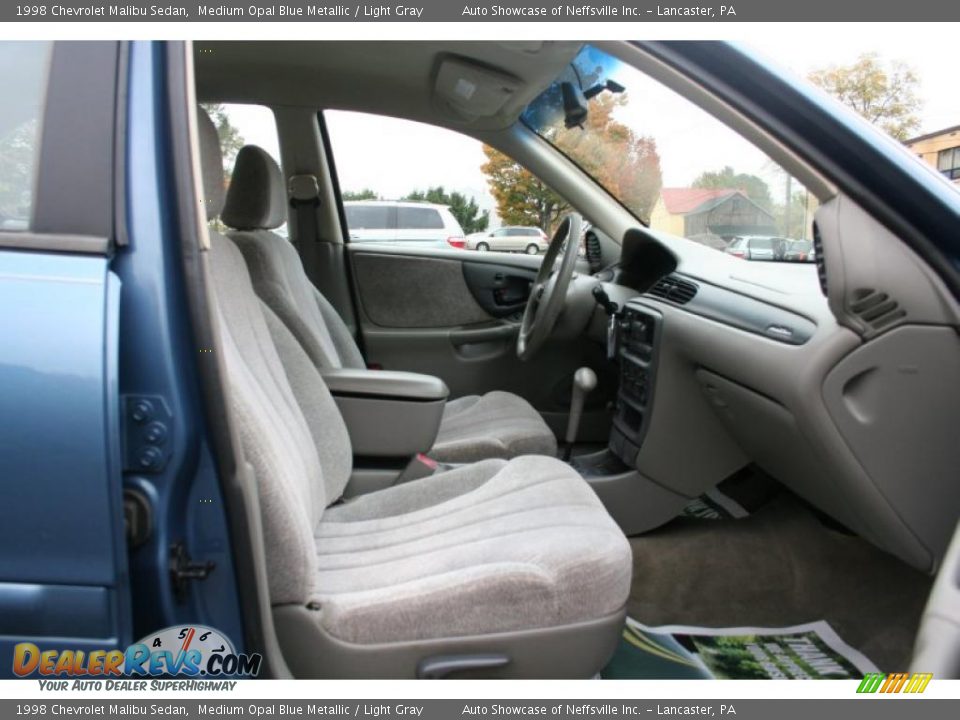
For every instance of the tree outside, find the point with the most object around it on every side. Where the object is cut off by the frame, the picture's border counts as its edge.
(883, 92)
(521, 198)
(464, 209)
(626, 164)
(231, 141)
(365, 194)
(17, 151)
(751, 186)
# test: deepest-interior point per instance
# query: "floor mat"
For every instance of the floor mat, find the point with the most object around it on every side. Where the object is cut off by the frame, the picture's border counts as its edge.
(812, 651)
(778, 567)
(735, 498)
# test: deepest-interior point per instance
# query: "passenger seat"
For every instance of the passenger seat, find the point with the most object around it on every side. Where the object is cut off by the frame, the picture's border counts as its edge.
(496, 568)
(476, 427)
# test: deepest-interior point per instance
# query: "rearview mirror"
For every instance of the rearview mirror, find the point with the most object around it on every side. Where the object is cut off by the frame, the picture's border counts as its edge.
(574, 105)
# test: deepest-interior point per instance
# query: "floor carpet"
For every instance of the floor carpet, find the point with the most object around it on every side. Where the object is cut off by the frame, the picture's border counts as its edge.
(780, 566)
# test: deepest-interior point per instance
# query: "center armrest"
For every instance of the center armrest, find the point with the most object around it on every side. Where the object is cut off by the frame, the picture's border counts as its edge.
(388, 414)
(385, 384)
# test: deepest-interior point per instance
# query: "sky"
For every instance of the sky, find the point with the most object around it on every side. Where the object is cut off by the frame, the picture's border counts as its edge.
(411, 156)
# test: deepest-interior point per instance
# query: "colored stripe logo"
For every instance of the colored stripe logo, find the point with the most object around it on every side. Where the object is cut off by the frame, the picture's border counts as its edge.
(894, 682)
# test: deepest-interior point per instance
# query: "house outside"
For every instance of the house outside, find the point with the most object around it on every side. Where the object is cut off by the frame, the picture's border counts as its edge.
(940, 150)
(712, 216)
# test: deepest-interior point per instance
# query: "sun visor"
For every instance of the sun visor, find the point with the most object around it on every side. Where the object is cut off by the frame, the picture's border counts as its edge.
(474, 91)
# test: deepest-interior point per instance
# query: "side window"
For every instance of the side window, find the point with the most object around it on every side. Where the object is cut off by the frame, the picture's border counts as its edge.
(948, 162)
(414, 218)
(23, 81)
(239, 125)
(368, 217)
(390, 163)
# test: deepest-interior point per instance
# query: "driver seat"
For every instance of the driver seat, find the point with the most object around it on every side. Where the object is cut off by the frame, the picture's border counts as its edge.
(475, 427)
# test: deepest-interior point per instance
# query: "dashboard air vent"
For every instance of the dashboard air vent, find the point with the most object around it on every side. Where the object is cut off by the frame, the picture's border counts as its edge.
(875, 308)
(818, 258)
(674, 289)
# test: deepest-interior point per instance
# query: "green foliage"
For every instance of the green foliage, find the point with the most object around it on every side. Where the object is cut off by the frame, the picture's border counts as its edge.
(521, 198)
(627, 165)
(885, 93)
(752, 186)
(365, 194)
(464, 209)
(230, 138)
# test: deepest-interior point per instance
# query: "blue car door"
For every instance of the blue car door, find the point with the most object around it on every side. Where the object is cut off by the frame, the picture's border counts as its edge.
(63, 563)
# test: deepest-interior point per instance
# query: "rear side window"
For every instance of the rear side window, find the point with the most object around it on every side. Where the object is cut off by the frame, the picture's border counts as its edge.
(761, 244)
(23, 82)
(419, 219)
(368, 217)
(238, 125)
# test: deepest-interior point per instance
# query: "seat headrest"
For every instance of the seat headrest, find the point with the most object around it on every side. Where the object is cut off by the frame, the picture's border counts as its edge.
(211, 164)
(256, 199)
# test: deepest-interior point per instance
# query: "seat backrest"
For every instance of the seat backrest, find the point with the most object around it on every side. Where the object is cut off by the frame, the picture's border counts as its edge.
(256, 205)
(291, 431)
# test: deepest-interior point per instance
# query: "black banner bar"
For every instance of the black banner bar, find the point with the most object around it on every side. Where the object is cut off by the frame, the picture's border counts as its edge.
(579, 11)
(873, 708)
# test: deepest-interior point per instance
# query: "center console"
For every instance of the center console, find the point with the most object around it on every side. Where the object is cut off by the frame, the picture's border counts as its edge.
(388, 414)
(636, 337)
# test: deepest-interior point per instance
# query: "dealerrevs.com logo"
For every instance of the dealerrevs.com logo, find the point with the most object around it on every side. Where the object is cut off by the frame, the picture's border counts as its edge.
(183, 651)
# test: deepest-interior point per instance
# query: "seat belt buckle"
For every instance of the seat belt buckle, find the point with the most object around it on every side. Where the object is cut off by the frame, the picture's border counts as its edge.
(420, 466)
(427, 461)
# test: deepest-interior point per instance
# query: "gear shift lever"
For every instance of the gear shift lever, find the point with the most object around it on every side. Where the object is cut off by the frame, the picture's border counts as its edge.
(584, 380)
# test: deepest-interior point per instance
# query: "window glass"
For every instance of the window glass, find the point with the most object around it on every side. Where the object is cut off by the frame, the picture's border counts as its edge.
(948, 162)
(239, 125)
(419, 219)
(368, 217)
(671, 164)
(398, 162)
(23, 81)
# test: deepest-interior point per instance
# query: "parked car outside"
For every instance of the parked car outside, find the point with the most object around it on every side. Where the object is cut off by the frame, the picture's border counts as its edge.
(758, 247)
(510, 238)
(800, 251)
(412, 224)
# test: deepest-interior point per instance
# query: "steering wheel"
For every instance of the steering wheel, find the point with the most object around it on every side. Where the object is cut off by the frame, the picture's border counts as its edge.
(549, 291)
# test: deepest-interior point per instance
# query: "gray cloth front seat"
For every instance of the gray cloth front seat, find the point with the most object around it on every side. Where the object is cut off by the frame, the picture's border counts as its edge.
(513, 564)
(475, 427)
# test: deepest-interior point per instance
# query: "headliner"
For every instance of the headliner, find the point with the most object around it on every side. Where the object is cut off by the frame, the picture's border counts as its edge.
(383, 77)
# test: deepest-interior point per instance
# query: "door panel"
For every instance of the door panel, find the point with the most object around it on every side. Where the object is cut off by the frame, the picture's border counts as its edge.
(404, 292)
(64, 570)
(419, 311)
(64, 577)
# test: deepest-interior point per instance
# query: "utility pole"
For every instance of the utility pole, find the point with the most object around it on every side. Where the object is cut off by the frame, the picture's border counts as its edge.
(786, 207)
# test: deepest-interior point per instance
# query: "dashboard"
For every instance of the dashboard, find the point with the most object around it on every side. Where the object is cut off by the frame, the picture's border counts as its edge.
(719, 368)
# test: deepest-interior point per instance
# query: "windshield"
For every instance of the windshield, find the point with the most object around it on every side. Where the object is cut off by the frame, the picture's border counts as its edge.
(672, 165)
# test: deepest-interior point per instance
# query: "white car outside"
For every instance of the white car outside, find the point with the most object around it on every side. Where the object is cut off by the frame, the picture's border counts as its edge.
(411, 224)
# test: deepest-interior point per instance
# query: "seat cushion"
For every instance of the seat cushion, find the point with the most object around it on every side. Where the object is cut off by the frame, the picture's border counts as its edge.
(491, 547)
(495, 425)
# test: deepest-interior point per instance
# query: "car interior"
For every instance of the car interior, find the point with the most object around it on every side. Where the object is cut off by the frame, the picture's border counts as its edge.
(476, 464)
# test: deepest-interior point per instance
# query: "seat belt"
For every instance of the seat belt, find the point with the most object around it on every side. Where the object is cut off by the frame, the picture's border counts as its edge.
(304, 194)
